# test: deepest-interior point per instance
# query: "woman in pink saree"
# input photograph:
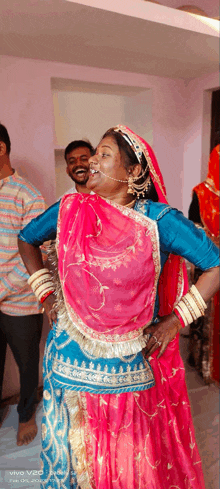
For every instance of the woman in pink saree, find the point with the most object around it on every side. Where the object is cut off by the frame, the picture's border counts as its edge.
(116, 409)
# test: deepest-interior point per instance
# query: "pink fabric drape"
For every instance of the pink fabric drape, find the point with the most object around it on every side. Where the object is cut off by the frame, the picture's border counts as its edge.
(108, 266)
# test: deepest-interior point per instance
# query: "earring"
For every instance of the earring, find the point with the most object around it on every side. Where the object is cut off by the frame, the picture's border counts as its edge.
(130, 185)
(139, 190)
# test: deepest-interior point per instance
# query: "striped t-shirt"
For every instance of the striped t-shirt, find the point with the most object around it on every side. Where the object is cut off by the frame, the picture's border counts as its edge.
(20, 202)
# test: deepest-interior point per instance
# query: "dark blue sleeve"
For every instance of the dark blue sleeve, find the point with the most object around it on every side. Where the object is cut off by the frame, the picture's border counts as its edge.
(180, 236)
(42, 228)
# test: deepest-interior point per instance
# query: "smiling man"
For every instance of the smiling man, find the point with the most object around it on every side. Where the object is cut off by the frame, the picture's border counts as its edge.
(77, 155)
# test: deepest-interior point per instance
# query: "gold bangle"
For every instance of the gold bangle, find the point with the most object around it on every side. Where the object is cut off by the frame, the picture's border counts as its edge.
(197, 295)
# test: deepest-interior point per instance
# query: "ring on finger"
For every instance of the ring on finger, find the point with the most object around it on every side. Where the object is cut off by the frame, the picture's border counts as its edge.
(156, 340)
(154, 337)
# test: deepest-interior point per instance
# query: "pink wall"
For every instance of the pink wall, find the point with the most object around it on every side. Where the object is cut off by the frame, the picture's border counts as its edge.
(178, 120)
(197, 132)
(27, 112)
(169, 107)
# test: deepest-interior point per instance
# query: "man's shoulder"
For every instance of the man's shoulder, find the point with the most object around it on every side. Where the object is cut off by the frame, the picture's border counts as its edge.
(26, 188)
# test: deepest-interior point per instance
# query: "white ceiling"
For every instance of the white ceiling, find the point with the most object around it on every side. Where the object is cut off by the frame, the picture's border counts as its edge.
(76, 33)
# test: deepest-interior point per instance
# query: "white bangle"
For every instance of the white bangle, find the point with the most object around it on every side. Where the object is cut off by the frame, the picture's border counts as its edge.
(47, 289)
(37, 274)
(41, 282)
(43, 288)
(198, 296)
(36, 284)
(179, 310)
(186, 312)
(191, 306)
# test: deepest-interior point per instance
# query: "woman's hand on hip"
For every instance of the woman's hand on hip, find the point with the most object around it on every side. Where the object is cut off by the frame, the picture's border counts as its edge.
(161, 334)
(50, 308)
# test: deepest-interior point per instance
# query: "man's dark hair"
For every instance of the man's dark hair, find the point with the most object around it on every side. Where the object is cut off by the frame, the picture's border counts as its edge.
(78, 144)
(4, 137)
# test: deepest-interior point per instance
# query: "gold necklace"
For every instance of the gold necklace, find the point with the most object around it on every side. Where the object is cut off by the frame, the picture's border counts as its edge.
(130, 204)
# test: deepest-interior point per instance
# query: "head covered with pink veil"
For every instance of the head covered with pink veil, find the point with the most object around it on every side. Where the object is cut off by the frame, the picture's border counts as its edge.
(173, 281)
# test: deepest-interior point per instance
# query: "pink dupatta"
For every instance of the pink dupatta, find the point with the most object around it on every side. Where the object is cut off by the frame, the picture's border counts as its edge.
(109, 268)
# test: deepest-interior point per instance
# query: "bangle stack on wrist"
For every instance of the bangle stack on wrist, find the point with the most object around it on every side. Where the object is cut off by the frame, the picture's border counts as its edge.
(41, 284)
(191, 307)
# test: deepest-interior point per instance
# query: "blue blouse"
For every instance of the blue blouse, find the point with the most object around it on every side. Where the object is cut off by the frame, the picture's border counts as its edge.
(74, 368)
(177, 234)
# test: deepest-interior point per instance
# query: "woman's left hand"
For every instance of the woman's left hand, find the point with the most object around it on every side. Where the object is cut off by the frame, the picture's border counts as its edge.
(162, 333)
(50, 309)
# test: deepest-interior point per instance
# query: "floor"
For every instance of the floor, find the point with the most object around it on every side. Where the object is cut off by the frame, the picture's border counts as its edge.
(19, 466)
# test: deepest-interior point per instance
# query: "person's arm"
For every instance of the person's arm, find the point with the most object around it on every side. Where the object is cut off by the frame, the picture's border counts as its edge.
(39, 230)
(180, 236)
(14, 281)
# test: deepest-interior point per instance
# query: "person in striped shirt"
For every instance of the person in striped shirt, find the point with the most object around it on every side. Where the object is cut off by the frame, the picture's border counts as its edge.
(21, 315)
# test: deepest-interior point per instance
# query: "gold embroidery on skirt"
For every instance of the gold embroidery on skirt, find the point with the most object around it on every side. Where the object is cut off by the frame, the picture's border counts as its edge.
(76, 439)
